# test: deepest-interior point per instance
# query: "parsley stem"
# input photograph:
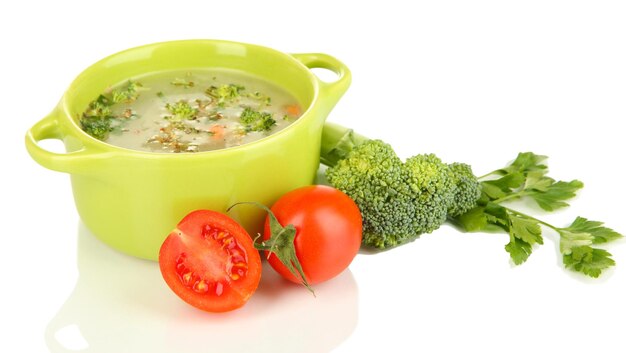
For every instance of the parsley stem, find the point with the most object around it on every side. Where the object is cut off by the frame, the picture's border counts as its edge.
(514, 195)
(517, 213)
(488, 174)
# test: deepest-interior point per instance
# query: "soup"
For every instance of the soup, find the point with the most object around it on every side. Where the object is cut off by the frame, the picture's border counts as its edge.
(189, 111)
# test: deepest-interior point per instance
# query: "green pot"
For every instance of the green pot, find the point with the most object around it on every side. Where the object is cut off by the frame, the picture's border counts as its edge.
(131, 199)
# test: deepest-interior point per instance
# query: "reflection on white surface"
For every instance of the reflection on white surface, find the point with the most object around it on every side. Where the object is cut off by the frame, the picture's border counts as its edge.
(121, 304)
(71, 338)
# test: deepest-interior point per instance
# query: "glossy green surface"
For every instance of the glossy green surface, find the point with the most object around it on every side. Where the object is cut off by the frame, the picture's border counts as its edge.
(132, 200)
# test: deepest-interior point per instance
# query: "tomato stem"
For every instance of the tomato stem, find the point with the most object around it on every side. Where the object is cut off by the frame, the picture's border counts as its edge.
(280, 243)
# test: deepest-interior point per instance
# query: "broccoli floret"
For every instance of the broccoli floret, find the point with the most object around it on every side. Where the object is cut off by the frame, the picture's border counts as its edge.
(467, 190)
(433, 190)
(253, 120)
(182, 110)
(373, 176)
(224, 93)
(398, 201)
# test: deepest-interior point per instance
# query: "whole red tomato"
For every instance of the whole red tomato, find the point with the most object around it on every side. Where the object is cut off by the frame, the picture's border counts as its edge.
(328, 231)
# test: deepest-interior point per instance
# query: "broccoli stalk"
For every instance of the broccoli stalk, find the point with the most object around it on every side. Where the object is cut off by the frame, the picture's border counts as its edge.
(398, 200)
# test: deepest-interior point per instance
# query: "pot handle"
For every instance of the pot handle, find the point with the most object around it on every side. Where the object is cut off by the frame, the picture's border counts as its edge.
(331, 91)
(50, 128)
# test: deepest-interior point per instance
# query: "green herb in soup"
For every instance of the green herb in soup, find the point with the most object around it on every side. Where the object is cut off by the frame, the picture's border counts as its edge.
(194, 111)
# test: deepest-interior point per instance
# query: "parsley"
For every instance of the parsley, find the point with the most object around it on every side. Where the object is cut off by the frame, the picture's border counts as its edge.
(96, 126)
(127, 94)
(526, 178)
(261, 98)
(98, 120)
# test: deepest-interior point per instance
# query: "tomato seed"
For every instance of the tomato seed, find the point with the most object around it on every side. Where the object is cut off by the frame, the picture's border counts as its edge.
(201, 287)
(208, 232)
(219, 288)
(186, 278)
(237, 259)
(221, 235)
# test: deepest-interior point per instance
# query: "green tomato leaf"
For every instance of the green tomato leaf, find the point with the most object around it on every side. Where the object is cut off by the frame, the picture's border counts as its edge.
(587, 260)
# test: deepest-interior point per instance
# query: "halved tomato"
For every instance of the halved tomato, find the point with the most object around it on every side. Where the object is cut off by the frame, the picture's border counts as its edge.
(210, 262)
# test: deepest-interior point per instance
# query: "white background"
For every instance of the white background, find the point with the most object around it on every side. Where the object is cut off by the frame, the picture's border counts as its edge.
(472, 81)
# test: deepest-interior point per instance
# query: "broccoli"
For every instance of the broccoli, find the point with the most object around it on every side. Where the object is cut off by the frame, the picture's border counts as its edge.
(433, 191)
(182, 110)
(253, 120)
(467, 192)
(224, 93)
(398, 201)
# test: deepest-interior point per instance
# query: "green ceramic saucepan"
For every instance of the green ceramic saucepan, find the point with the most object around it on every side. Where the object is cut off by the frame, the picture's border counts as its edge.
(131, 200)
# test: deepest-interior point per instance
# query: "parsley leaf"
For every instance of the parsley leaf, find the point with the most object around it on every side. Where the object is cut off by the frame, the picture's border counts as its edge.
(474, 220)
(526, 162)
(588, 260)
(503, 186)
(550, 195)
(526, 229)
(598, 233)
(519, 250)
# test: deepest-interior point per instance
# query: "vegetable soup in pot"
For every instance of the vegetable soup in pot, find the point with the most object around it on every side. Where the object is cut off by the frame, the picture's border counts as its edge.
(189, 111)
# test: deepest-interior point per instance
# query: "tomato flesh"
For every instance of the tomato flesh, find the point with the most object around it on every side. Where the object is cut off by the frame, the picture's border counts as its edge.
(209, 261)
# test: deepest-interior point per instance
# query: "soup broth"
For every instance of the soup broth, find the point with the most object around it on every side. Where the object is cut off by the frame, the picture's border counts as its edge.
(189, 111)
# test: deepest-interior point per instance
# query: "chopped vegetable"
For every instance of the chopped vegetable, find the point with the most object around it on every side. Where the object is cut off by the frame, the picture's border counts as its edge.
(98, 127)
(253, 120)
(182, 110)
(293, 110)
(265, 100)
(181, 82)
(217, 131)
(126, 94)
(225, 93)
(98, 120)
